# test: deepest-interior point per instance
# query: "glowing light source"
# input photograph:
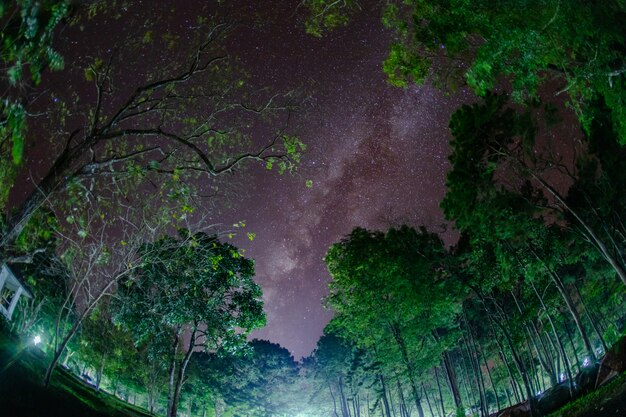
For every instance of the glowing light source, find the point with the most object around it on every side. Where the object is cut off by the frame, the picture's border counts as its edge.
(36, 340)
(586, 362)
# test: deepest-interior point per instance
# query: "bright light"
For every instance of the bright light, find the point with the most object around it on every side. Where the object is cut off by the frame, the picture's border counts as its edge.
(562, 377)
(586, 362)
(37, 340)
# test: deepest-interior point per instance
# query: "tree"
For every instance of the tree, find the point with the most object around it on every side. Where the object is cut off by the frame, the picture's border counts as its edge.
(498, 174)
(189, 293)
(388, 291)
(530, 43)
(262, 381)
(91, 269)
(164, 134)
(25, 52)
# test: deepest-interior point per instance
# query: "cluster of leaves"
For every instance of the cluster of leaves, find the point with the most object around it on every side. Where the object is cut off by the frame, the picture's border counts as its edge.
(25, 52)
(324, 15)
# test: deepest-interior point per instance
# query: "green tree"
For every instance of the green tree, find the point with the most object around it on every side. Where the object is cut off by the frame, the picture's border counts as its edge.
(192, 292)
(25, 52)
(529, 42)
(165, 134)
(498, 182)
(262, 381)
(389, 292)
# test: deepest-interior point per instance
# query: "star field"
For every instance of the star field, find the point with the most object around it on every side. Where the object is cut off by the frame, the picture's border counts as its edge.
(377, 156)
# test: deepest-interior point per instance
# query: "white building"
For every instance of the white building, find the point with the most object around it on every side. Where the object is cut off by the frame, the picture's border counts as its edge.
(11, 289)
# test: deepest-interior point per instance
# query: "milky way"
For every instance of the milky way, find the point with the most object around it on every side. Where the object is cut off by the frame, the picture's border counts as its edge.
(377, 156)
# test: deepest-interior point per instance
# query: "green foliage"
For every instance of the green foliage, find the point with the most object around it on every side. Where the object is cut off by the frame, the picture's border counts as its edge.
(527, 42)
(324, 15)
(188, 281)
(25, 52)
(391, 292)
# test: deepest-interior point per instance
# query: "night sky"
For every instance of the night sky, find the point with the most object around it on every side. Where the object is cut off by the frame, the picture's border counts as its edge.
(377, 156)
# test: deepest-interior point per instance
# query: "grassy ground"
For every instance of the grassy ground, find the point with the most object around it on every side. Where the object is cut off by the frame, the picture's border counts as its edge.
(22, 393)
(608, 401)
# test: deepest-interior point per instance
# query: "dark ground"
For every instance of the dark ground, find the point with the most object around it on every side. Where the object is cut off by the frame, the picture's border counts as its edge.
(22, 393)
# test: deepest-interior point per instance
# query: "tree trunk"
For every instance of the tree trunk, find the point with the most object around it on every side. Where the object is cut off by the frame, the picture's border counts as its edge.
(443, 408)
(533, 335)
(409, 367)
(100, 371)
(574, 312)
(385, 401)
(473, 354)
(430, 408)
(58, 174)
(61, 348)
(403, 409)
(345, 411)
(505, 361)
(570, 338)
(591, 320)
(448, 366)
(558, 339)
(589, 231)
(180, 375)
(330, 389)
(516, 358)
(493, 386)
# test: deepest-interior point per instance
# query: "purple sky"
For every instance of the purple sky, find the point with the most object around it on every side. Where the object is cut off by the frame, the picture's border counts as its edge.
(377, 157)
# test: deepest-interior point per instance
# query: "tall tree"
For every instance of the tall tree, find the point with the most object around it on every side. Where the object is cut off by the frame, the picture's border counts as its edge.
(162, 126)
(190, 293)
(25, 52)
(389, 290)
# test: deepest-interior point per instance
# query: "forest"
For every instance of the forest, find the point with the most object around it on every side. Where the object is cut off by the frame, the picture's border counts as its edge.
(127, 131)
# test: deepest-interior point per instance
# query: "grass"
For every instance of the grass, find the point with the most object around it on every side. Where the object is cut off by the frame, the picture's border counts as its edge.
(609, 400)
(22, 392)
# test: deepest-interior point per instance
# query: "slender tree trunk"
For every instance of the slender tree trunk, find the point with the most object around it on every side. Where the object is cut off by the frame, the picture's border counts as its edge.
(570, 338)
(100, 371)
(55, 177)
(469, 392)
(330, 389)
(591, 320)
(345, 412)
(403, 408)
(172, 373)
(443, 408)
(574, 312)
(180, 375)
(493, 386)
(452, 380)
(589, 231)
(430, 408)
(410, 370)
(61, 348)
(385, 401)
(505, 362)
(533, 335)
(473, 355)
(516, 358)
(558, 339)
